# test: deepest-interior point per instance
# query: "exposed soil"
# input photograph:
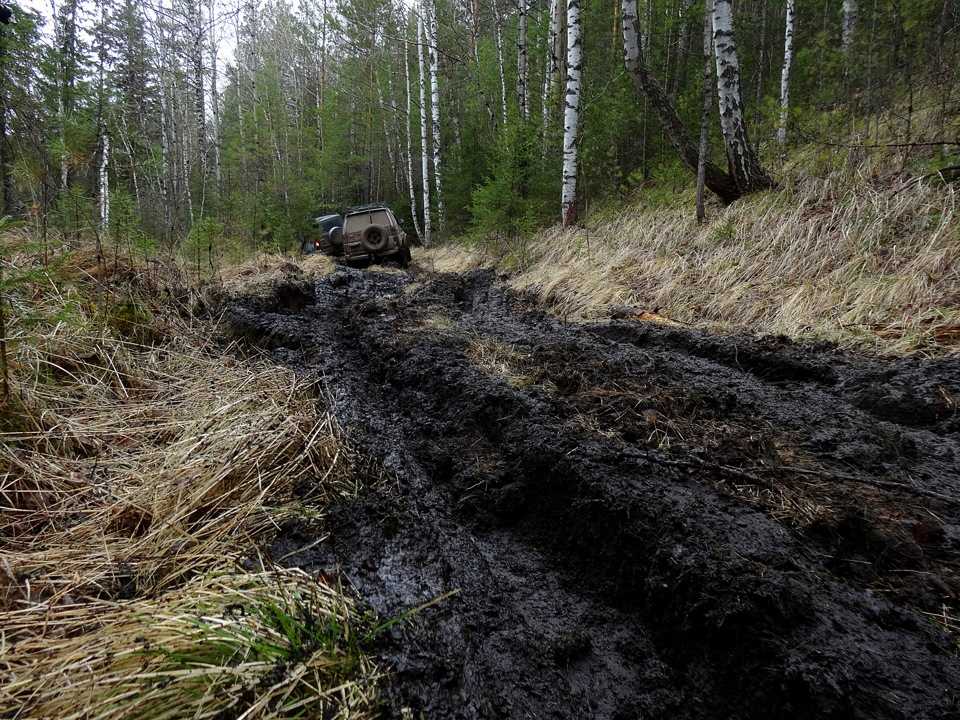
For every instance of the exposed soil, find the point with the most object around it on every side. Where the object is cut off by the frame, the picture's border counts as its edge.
(639, 521)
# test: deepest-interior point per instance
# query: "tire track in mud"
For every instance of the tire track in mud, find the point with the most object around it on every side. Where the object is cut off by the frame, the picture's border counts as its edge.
(616, 505)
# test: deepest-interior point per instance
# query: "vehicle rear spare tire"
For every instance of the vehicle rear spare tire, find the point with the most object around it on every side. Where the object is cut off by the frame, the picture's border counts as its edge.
(374, 239)
(335, 236)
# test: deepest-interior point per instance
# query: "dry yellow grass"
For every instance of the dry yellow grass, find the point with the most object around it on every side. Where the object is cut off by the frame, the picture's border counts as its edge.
(271, 644)
(266, 268)
(501, 360)
(142, 465)
(146, 465)
(863, 260)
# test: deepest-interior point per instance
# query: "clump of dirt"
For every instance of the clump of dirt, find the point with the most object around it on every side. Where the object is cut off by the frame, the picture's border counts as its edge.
(637, 520)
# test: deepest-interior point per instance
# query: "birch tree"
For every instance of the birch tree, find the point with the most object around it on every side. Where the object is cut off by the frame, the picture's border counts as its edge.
(431, 13)
(551, 72)
(498, 36)
(65, 24)
(424, 161)
(718, 181)
(785, 73)
(571, 114)
(523, 100)
(413, 194)
(707, 103)
(744, 165)
(215, 96)
(850, 15)
(104, 185)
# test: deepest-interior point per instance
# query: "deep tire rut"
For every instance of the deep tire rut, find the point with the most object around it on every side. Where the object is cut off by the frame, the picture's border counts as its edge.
(637, 521)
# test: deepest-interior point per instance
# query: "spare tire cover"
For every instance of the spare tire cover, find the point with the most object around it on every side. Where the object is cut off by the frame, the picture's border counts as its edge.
(335, 236)
(374, 238)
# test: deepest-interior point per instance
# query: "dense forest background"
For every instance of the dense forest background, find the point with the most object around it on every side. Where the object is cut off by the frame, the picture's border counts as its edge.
(212, 126)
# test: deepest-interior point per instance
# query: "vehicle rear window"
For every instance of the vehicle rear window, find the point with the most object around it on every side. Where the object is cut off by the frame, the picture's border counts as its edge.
(355, 223)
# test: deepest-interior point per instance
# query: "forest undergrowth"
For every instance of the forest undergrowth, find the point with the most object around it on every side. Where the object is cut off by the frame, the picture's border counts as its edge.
(144, 465)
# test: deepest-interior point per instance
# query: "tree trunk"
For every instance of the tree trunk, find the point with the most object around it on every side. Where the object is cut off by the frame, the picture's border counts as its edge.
(523, 100)
(785, 73)
(68, 61)
(413, 194)
(498, 35)
(744, 164)
(718, 181)
(475, 49)
(196, 61)
(104, 185)
(424, 140)
(683, 53)
(849, 25)
(761, 65)
(388, 116)
(6, 189)
(215, 99)
(551, 74)
(571, 114)
(4, 371)
(707, 100)
(435, 109)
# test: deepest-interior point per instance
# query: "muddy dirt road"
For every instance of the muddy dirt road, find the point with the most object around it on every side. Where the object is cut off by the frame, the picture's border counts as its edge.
(640, 521)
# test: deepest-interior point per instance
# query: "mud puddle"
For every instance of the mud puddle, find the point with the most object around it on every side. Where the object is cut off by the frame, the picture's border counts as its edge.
(633, 521)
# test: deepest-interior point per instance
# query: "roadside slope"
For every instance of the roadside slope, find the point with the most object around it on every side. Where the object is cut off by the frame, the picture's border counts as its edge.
(866, 258)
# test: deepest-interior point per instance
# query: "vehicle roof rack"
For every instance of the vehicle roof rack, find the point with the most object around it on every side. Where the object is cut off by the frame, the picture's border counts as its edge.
(365, 208)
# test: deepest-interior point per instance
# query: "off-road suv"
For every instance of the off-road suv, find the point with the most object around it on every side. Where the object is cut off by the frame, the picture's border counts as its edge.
(371, 232)
(329, 238)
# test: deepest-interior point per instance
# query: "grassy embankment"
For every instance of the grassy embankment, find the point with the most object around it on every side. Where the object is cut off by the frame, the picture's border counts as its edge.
(858, 249)
(143, 470)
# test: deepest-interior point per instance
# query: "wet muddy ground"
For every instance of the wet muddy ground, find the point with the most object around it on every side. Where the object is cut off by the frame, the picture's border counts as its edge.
(635, 521)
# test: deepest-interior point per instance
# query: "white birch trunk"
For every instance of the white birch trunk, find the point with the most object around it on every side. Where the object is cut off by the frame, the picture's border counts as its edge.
(551, 74)
(215, 96)
(849, 24)
(431, 12)
(424, 140)
(523, 100)
(744, 166)
(104, 185)
(473, 6)
(413, 194)
(387, 115)
(134, 175)
(195, 17)
(632, 38)
(705, 112)
(395, 132)
(571, 114)
(64, 167)
(167, 162)
(498, 35)
(785, 73)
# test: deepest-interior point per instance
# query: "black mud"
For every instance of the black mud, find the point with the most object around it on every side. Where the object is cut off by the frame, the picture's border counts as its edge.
(639, 521)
